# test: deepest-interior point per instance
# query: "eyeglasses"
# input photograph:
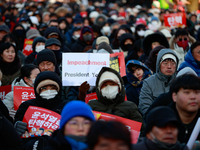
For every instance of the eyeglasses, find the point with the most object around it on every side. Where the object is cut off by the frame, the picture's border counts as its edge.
(85, 124)
(185, 39)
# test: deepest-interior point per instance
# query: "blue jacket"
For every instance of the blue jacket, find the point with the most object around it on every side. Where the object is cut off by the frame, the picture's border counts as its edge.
(190, 62)
(134, 86)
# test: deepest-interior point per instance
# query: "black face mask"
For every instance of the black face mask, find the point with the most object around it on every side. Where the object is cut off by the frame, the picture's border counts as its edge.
(127, 47)
(87, 37)
(19, 33)
(58, 54)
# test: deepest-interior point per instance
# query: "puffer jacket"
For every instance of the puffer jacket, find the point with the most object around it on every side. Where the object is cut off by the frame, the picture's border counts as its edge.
(190, 62)
(8, 100)
(117, 106)
(156, 84)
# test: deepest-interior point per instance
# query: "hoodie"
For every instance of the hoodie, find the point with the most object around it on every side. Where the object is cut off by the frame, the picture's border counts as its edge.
(156, 84)
(190, 62)
(134, 85)
(116, 106)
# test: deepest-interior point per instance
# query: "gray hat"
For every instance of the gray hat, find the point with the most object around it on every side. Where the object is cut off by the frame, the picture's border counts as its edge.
(52, 41)
(4, 28)
(32, 33)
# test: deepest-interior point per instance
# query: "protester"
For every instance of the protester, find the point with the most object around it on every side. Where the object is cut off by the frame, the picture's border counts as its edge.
(111, 94)
(37, 46)
(166, 67)
(47, 88)
(110, 135)
(9, 63)
(28, 74)
(136, 72)
(76, 119)
(186, 96)
(192, 58)
(161, 132)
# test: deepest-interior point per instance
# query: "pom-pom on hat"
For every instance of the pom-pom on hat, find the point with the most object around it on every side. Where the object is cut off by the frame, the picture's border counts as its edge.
(75, 109)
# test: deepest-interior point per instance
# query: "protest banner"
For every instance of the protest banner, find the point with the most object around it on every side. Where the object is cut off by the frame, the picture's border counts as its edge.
(175, 20)
(93, 96)
(27, 50)
(118, 65)
(40, 122)
(133, 126)
(80, 67)
(22, 94)
(4, 90)
(194, 135)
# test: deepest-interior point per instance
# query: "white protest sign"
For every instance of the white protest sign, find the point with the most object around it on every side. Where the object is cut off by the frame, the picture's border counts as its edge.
(194, 135)
(80, 67)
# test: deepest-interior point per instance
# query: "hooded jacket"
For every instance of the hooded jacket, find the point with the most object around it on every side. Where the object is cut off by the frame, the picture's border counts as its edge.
(180, 52)
(116, 106)
(190, 62)
(55, 104)
(134, 85)
(80, 44)
(156, 84)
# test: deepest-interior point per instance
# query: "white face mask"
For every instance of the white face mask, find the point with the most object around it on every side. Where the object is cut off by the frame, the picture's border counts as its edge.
(0, 83)
(39, 48)
(141, 32)
(133, 29)
(33, 80)
(25, 25)
(197, 27)
(106, 30)
(110, 92)
(48, 94)
(75, 37)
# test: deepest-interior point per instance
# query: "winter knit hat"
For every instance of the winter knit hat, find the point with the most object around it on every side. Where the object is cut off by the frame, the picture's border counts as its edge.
(168, 56)
(46, 55)
(52, 41)
(38, 39)
(32, 33)
(102, 39)
(106, 46)
(75, 109)
(109, 76)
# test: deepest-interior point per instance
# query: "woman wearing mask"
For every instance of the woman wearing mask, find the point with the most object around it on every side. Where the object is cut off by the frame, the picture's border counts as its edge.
(20, 33)
(37, 46)
(9, 63)
(111, 94)
(140, 31)
(76, 120)
(27, 78)
(48, 94)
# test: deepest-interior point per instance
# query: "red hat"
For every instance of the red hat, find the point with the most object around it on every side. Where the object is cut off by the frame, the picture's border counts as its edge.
(141, 21)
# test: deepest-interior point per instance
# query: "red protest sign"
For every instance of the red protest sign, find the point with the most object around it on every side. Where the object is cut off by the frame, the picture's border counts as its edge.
(133, 126)
(40, 122)
(93, 96)
(4, 90)
(114, 64)
(22, 94)
(27, 47)
(175, 20)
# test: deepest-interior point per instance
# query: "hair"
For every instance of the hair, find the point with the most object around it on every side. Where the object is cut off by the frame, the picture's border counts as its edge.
(181, 32)
(186, 81)
(136, 67)
(109, 130)
(26, 71)
(194, 45)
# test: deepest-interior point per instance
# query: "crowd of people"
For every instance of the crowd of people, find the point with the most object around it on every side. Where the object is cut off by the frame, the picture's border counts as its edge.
(161, 88)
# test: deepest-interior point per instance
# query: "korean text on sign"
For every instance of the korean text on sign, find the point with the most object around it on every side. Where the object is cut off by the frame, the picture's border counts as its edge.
(40, 122)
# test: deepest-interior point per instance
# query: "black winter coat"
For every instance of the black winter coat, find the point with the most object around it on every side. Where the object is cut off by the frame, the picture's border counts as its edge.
(9, 139)
(57, 142)
(79, 46)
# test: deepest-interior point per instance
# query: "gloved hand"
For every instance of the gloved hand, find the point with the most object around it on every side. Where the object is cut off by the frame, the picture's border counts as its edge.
(20, 127)
(83, 90)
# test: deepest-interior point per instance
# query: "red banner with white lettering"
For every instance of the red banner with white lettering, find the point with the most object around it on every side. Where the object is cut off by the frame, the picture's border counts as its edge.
(22, 94)
(4, 90)
(40, 122)
(117, 62)
(175, 20)
(27, 47)
(133, 126)
(93, 96)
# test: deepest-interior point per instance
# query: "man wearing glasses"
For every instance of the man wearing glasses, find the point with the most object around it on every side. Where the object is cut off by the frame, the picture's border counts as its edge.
(158, 83)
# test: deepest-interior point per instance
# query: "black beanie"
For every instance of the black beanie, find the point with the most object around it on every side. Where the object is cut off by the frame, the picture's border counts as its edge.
(52, 41)
(36, 40)
(46, 55)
